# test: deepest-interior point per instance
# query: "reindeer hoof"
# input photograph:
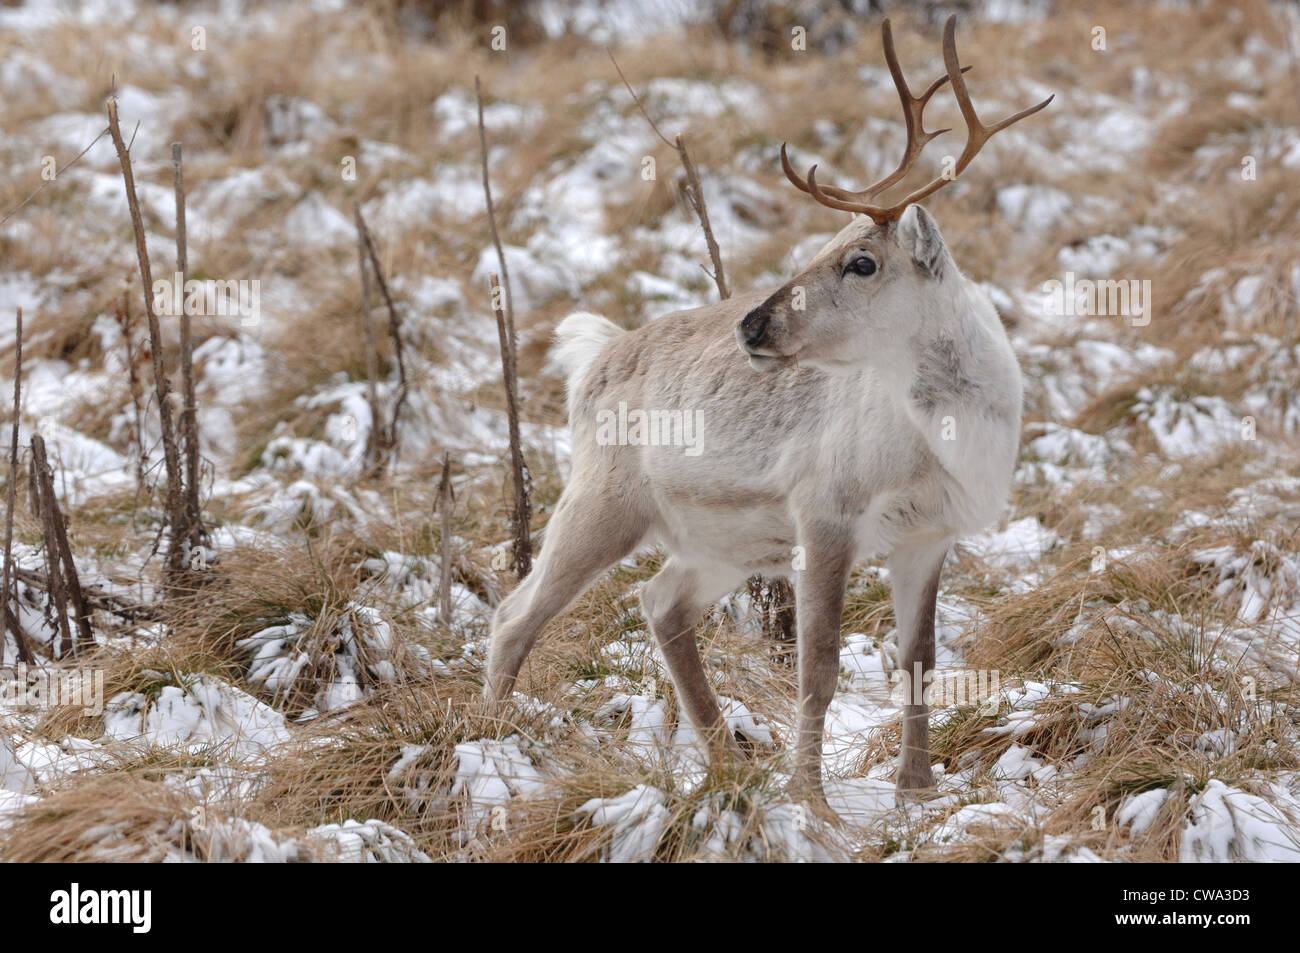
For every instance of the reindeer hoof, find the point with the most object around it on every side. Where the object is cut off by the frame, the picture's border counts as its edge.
(915, 795)
(805, 790)
(915, 787)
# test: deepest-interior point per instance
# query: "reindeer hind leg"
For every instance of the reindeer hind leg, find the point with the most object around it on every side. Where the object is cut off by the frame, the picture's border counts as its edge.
(589, 532)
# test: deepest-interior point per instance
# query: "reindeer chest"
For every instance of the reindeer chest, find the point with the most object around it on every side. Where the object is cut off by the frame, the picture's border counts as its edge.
(906, 499)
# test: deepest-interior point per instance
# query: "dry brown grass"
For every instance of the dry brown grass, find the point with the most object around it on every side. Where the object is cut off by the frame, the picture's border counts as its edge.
(127, 814)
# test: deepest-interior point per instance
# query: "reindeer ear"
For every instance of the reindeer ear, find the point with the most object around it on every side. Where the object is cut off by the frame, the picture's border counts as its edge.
(920, 235)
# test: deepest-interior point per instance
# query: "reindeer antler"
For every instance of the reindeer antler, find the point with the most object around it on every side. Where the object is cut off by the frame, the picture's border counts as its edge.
(917, 138)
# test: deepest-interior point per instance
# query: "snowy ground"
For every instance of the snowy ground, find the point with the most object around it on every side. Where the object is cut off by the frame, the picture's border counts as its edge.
(1136, 613)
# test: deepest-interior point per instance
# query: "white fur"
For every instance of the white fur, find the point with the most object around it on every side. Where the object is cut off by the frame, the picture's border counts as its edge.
(579, 339)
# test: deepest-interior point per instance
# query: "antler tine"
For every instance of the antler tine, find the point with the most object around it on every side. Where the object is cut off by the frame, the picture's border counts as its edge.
(917, 137)
(838, 198)
(790, 174)
(802, 185)
(977, 134)
(913, 109)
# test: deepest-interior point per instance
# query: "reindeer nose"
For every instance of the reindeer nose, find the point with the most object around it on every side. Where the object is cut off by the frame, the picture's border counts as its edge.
(754, 327)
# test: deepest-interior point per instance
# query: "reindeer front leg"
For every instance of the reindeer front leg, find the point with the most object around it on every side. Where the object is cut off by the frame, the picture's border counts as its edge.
(914, 583)
(819, 601)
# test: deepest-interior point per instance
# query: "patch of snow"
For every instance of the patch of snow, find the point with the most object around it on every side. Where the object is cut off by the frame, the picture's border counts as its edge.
(1022, 544)
(638, 818)
(14, 776)
(368, 842)
(204, 713)
(1037, 208)
(1190, 426)
(1227, 824)
(1139, 810)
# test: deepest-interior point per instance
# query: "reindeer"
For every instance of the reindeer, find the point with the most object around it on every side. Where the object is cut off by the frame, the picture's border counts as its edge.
(870, 406)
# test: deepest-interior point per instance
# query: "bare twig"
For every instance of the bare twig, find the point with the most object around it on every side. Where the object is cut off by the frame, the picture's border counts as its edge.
(637, 99)
(14, 624)
(193, 529)
(133, 380)
(374, 455)
(65, 585)
(492, 224)
(20, 637)
(171, 456)
(694, 191)
(522, 510)
(96, 598)
(773, 601)
(57, 172)
(394, 327)
(446, 496)
(695, 195)
(71, 578)
(505, 315)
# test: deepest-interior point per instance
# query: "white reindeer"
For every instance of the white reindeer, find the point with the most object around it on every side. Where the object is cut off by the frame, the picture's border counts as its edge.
(885, 420)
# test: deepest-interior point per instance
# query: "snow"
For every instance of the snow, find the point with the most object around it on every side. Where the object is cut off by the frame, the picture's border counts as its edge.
(638, 819)
(200, 714)
(488, 774)
(454, 194)
(533, 281)
(368, 842)
(1016, 763)
(1187, 427)
(313, 221)
(648, 725)
(237, 840)
(1020, 545)
(216, 204)
(457, 112)
(1066, 456)
(1137, 811)
(1035, 207)
(1228, 824)
(14, 776)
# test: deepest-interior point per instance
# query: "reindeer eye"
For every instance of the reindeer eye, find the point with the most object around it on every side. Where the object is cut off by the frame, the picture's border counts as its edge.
(862, 265)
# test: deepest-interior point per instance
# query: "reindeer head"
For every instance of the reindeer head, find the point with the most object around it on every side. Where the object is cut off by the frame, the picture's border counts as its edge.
(883, 271)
